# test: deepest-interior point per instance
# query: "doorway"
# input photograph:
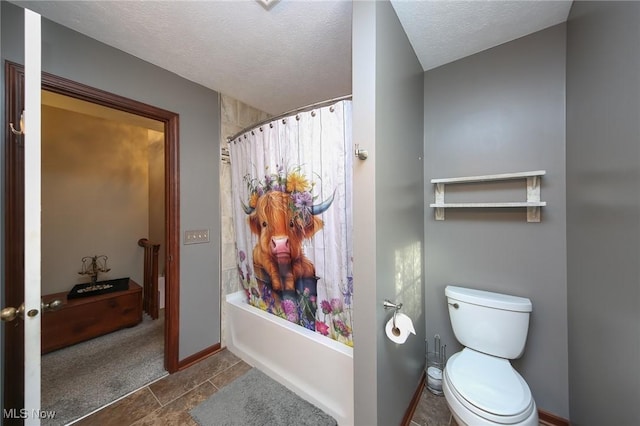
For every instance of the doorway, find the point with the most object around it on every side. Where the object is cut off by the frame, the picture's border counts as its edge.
(14, 225)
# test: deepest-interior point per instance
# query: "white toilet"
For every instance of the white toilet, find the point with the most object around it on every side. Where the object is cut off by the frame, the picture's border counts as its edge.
(480, 385)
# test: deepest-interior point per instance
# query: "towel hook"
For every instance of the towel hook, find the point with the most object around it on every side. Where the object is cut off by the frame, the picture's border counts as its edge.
(21, 130)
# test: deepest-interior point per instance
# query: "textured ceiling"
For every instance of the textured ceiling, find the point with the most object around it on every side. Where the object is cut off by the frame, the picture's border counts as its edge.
(295, 52)
(446, 30)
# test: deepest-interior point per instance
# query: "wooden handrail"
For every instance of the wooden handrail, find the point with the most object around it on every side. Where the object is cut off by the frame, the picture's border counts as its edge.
(150, 286)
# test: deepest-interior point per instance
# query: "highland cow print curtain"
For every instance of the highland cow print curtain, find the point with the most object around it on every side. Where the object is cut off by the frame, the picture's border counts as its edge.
(291, 183)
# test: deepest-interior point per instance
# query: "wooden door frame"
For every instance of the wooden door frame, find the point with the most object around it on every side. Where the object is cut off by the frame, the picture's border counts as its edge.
(14, 198)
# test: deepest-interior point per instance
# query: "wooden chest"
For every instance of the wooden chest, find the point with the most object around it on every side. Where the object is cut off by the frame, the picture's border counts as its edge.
(88, 317)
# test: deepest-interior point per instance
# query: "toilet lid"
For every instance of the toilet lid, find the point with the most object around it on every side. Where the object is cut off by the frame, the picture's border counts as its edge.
(489, 383)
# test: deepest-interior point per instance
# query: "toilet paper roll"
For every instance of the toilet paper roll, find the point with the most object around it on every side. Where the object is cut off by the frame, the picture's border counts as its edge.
(434, 379)
(404, 327)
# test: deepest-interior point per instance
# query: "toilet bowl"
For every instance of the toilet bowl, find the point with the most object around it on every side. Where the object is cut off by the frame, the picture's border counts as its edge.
(485, 390)
(479, 383)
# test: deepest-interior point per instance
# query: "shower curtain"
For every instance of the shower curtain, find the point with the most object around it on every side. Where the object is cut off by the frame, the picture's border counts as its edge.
(291, 189)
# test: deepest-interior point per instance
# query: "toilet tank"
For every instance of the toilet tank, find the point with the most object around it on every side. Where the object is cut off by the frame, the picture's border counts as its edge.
(492, 323)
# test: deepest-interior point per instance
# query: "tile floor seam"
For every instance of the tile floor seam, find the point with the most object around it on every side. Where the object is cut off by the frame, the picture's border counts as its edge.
(168, 403)
(182, 394)
(148, 414)
(222, 371)
(196, 385)
(213, 384)
(208, 379)
(154, 396)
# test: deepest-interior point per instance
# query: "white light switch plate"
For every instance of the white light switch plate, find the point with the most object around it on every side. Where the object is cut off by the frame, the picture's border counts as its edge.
(196, 236)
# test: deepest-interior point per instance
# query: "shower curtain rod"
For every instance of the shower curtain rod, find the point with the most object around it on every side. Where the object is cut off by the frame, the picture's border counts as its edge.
(288, 113)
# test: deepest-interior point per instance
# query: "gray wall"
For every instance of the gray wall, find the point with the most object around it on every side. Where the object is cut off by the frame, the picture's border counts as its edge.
(499, 111)
(71, 55)
(603, 212)
(388, 212)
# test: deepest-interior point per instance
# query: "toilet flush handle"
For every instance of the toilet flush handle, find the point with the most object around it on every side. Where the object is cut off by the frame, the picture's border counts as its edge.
(455, 305)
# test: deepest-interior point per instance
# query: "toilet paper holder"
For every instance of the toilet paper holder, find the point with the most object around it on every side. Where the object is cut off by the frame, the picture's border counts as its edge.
(390, 305)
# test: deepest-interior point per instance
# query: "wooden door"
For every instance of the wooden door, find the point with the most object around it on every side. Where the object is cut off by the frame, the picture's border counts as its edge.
(21, 310)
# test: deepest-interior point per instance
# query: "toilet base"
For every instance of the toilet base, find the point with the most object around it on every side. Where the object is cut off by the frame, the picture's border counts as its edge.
(464, 417)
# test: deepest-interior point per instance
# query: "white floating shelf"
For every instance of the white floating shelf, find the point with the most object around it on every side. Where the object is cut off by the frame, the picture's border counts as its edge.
(499, 204)
(485, 178)
(532, 204)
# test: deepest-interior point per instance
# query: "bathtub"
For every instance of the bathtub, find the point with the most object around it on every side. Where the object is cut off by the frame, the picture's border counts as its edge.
(317, 368)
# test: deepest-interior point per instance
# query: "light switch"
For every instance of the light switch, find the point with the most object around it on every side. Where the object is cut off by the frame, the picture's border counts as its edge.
(196, 236)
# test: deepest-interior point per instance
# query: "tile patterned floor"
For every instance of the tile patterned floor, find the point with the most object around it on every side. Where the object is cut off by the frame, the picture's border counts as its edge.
(168, 401)
(432, 410)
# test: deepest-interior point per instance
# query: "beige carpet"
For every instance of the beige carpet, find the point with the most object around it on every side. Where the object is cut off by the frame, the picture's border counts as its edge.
(81, 378)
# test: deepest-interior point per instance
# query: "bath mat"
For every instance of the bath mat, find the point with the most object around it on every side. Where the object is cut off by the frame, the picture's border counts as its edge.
(254, 399)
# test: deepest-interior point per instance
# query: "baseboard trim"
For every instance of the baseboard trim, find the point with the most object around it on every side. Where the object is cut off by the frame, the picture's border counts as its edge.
(548, 419)
(198, 356)
(408, 415)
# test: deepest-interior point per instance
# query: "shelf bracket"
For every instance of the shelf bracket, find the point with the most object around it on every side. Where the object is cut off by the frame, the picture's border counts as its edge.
(533, 196)
(439, 199)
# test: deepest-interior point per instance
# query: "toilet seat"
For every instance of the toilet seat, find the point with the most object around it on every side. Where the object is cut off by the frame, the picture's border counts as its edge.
(489, 387)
